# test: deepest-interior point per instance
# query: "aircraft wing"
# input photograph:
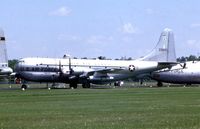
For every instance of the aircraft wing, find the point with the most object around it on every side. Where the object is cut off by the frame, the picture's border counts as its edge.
(166, 64)
(111, 70)
(101, 72)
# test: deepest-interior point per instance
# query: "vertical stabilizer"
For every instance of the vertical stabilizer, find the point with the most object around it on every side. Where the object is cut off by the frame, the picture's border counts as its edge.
(164, 50)
(3, 50)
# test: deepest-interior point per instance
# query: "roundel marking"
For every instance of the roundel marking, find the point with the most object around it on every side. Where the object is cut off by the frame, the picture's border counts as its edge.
(131, 68)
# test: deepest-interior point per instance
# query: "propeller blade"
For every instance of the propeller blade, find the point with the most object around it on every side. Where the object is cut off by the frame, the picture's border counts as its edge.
(183, 66)
(70, 67)
(60, 69)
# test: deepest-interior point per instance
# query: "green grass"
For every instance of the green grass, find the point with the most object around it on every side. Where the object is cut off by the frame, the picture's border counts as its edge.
(124, 108)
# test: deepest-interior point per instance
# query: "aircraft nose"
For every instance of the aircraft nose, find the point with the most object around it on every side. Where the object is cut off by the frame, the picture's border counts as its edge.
(6, 70)
(10, 70)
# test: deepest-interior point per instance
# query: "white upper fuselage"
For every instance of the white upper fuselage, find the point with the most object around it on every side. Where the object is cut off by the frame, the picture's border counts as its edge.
(90, 63)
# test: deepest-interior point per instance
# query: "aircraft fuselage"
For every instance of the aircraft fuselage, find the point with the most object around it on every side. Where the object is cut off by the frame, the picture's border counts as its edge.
(67, 70)
(188, 75)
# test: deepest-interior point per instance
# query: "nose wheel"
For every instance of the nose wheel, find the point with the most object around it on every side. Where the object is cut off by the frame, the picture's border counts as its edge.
(24, 87)
(159, 84)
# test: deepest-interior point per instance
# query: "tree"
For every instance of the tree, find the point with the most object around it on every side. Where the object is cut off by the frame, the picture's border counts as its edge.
(181, 59)
(12, 63)
(192, 58)
(130, 58)
(101, 57)
(188, 58)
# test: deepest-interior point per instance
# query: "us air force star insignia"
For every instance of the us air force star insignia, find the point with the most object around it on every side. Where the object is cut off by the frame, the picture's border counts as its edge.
(131, 68)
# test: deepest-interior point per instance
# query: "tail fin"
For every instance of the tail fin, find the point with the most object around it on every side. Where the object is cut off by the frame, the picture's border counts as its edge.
(164, 50)
(3, 50)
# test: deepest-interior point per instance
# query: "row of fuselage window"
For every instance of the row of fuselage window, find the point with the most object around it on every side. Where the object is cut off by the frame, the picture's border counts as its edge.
(43, 69)
(40, 69)
(4, 65)
(48, 69)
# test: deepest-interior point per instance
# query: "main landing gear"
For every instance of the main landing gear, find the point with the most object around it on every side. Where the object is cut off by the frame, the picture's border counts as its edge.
(73, 85)
(159, 84)
(24, 87)
(86, 85)
(118, 83)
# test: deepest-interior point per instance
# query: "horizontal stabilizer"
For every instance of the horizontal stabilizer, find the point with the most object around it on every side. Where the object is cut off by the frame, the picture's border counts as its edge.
(166, 64)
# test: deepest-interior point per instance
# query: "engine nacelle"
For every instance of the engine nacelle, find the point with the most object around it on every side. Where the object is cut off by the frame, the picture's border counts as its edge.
(65, 70)
(100, 79)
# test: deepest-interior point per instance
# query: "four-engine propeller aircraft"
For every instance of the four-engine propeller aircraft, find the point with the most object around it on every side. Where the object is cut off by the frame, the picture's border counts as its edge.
(4, 69)
(186, 73)
(87, 71)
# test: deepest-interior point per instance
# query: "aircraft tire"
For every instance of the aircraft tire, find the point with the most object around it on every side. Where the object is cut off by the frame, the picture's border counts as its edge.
(117, 83)
(24, 86)
(73, 85)
(159, 84)
(86, 85)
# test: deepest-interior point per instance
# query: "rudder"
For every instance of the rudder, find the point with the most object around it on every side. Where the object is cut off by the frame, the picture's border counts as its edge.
(164, 50)
(3, 50)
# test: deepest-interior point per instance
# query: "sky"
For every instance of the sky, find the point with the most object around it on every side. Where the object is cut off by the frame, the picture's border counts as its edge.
(92, 28)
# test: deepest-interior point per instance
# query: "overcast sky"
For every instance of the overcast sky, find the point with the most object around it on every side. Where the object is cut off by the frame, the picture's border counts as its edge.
(92, 28)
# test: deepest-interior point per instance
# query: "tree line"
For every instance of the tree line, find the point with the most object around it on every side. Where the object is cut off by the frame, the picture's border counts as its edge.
(188, 58)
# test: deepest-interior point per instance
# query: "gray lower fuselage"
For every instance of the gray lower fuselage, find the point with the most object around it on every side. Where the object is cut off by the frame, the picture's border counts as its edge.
(180, 76)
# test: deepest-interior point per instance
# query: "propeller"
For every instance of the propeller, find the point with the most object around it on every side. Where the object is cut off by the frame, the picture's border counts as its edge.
(61, 72)
(183, 66)
(60, 68)
(70, 67)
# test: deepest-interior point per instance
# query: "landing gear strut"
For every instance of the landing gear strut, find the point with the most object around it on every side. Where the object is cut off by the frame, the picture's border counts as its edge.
(118, 83)
(86, 85)
(24, 86)
(73, 85)
(159, 84)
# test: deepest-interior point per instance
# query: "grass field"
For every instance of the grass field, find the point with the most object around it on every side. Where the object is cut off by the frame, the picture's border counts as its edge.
(120, 108)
